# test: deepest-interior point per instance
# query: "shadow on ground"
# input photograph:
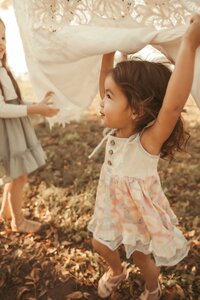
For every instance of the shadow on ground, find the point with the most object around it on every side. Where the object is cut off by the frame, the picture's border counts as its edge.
(59, 263)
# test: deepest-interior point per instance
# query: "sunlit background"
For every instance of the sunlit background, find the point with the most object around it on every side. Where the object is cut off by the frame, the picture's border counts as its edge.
(16, 59)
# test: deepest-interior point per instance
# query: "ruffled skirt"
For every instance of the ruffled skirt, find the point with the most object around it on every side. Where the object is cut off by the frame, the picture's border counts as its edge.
(136, 213)
(20, 150)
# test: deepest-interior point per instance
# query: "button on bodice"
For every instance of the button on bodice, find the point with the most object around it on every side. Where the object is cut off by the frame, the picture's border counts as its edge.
(110, 152)
(112, 142)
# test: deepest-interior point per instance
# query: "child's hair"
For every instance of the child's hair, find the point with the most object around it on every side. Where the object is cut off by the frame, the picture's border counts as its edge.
(144, 84)
(4, 64)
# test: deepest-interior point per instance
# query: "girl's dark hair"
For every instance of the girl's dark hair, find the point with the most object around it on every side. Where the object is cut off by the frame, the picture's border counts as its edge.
(144, 84)
(4, 64)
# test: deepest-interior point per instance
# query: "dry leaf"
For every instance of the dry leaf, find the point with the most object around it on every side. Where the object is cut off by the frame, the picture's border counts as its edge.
(74, 295)
(63, 193)
(22, 290)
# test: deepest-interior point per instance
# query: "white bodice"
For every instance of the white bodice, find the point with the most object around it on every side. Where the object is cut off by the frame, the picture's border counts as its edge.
(127, 157)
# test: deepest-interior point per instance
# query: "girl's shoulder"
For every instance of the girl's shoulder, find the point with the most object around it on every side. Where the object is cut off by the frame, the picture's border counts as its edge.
(142, 149)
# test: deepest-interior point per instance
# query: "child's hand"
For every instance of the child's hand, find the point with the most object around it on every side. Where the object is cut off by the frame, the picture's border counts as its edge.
(48, 98)
(43, 108)
(193, 32)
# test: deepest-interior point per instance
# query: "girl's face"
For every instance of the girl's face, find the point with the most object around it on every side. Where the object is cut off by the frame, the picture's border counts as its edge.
(2, 40)
(115, 111)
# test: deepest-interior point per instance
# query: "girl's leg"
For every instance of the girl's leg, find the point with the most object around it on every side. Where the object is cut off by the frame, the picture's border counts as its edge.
(5, 210)
(15, 200)
(149, 271)
(111, 279)
(111, 257)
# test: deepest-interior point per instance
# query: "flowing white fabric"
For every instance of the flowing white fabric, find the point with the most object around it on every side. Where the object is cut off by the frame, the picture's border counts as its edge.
(64, 42)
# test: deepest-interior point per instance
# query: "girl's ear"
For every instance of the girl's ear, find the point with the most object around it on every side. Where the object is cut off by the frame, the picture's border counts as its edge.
(134, 115)
(137, 114)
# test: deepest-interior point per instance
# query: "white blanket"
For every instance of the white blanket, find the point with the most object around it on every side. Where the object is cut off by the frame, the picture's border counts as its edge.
(64, 42)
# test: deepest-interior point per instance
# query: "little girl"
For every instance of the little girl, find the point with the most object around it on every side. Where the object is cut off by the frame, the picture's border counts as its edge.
(20, 151)
(142, 103)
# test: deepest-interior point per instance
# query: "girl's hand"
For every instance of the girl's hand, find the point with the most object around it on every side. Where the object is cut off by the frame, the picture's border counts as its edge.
(43, 108)
(48, 98)
(192, 34)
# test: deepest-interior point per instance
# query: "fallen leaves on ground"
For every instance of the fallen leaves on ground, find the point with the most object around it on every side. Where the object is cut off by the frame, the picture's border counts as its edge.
(59, 263)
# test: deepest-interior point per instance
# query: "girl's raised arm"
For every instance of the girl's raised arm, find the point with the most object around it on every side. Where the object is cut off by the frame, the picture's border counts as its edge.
(106, 65)
(178, 89)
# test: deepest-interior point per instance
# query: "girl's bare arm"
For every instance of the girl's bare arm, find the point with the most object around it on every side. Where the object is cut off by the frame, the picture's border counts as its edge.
(178, 91)
(106, 65)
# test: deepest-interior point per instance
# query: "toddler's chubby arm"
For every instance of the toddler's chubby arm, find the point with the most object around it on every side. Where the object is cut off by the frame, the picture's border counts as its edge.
(177, 92)
(106, 66)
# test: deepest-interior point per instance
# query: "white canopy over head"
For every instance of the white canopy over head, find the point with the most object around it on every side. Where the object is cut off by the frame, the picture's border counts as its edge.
(64, 42)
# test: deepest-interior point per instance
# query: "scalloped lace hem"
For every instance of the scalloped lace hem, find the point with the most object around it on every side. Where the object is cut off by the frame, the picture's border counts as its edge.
(171, 255)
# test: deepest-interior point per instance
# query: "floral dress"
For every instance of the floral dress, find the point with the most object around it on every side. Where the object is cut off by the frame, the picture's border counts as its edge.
(131, 207)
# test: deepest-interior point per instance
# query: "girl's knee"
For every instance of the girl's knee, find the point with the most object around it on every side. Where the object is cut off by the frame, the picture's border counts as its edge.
(140, 258)
(21, 179)
(100, 248)
(95, 244)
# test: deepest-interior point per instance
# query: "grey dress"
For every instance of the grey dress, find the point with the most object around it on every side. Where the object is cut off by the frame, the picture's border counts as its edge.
(20, 151)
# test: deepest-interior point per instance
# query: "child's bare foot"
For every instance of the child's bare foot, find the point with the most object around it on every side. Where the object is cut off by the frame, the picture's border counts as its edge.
(25, 226)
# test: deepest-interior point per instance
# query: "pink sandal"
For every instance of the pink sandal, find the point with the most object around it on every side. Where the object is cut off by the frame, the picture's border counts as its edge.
(108, 283)
(146, 293)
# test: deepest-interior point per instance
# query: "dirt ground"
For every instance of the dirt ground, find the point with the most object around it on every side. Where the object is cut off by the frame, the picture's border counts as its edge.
(59, 263)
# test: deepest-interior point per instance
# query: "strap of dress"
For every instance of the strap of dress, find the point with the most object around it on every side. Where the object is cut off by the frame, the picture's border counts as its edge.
(101, 143)
(148, 125)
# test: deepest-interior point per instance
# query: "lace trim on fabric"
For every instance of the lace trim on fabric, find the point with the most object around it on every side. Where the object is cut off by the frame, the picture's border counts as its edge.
(160, 14)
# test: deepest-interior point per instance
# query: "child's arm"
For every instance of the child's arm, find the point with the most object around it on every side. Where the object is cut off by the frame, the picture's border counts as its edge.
(8, 111)
(178, 90)
(43, 107)
(16, 111)
(106, 65)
